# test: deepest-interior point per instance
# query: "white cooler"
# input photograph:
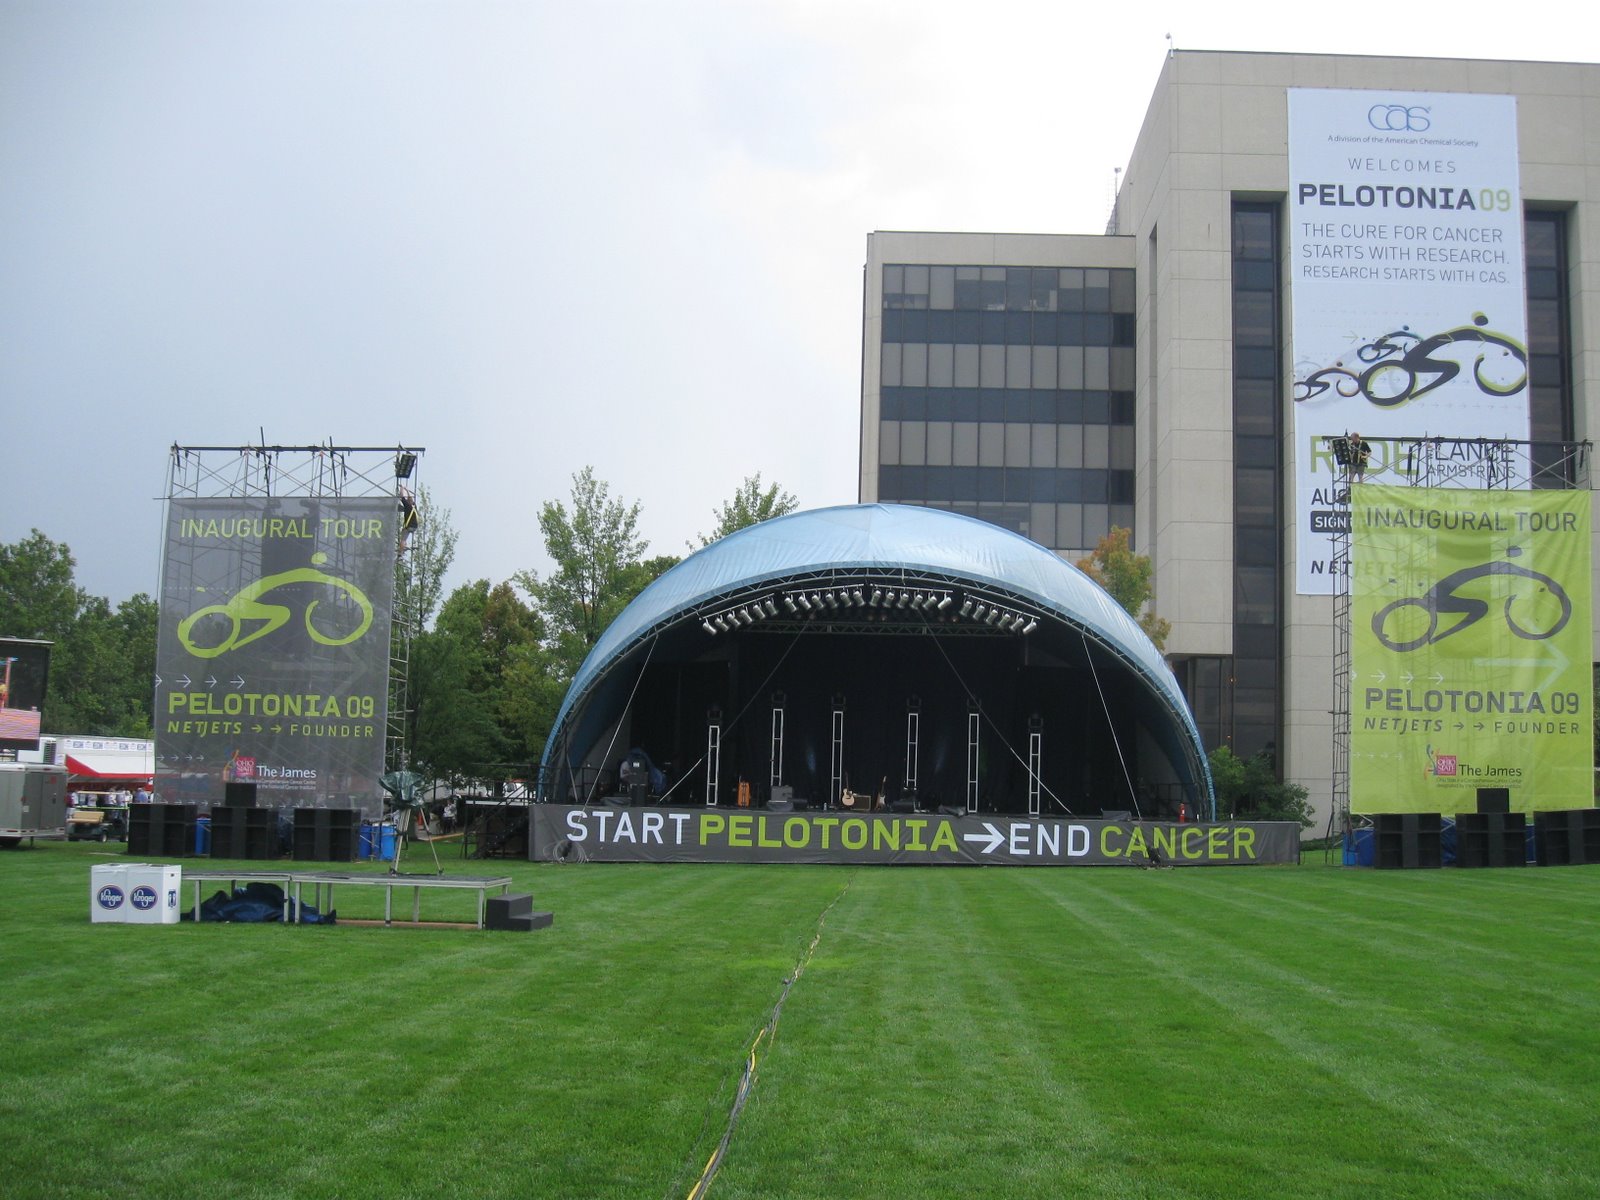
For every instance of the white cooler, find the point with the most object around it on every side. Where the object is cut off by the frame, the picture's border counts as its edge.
(135, 893)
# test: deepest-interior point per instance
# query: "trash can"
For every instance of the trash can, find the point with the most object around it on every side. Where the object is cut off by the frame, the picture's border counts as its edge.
(153, 890)
(202, 835)
(108, 894)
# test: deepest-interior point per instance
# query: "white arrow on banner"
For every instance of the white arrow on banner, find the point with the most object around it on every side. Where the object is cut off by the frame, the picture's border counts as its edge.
(994, 837)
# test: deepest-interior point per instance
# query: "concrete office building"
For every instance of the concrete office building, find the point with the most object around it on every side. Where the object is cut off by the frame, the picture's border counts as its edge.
(1059, 385)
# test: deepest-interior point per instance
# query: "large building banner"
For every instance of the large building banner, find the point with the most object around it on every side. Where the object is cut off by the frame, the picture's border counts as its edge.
(573, 833)
(1471, 644)
(272, 659)
(1406, 278)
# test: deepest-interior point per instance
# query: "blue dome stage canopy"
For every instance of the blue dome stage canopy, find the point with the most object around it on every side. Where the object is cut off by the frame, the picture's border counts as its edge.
(912, 655)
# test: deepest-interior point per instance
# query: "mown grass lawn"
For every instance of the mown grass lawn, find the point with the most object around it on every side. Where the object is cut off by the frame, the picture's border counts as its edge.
(1238, 1032)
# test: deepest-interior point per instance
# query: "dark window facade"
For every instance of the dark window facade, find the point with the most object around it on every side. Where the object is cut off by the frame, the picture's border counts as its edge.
(1006, 393)
(1549, 347)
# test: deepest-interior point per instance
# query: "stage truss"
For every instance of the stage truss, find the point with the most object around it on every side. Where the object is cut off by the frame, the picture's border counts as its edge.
(1506, 465)
(327, 470)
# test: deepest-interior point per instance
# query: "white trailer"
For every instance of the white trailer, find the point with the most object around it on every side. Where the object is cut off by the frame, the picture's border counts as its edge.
(33, 802)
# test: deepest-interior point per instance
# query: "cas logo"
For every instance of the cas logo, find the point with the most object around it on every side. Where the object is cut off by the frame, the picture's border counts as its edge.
(1399, 118)
(144, 897)
(109, 897)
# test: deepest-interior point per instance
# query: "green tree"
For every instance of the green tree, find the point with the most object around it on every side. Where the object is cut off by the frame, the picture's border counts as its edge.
(102, 671)
(750, 505)
(598, 554)
(1248, 789)
(1126, 576)
(38, 598)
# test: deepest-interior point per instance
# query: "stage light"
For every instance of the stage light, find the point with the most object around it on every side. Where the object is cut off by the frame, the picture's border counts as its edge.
(709, 628)
(744, 617)
(405, 462)
(856, 594)
(981, 612)
(816, 598)
(945, 603)
(1033, 623)
(771, 608)
(877, 594)
(830, 600)
(722, 622)
(788, 602)
(966, 607)
(805, 603)
(904, 596)
(994, 615)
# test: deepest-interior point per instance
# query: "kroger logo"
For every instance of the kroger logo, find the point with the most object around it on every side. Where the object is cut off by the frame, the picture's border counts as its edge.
(144, 897)
(109, 897)
(1399, 118)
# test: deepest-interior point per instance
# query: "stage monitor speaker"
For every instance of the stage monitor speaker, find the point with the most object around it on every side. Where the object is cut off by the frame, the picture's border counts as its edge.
(952, 810)
(1494, 800)
(237, 793)
(780, 791)
(906, 804)
(777, 805)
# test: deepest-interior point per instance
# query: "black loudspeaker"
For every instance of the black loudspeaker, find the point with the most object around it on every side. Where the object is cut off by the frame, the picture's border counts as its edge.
(905, 804)
(779, 805)
(325, 834)
(1491, 839)
(237, 793)
(781, 791)
(1567, 838)
(1404, 840)
(1494, 800)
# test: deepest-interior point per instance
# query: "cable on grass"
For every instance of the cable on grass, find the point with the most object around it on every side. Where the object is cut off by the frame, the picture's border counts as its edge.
(747, 1078)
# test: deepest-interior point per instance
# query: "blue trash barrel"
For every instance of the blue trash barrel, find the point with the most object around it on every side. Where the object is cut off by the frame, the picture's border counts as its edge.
(202, 835)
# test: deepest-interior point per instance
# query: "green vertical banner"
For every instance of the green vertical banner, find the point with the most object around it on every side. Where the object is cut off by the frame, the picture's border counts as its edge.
(272, 655)
(1471, 643)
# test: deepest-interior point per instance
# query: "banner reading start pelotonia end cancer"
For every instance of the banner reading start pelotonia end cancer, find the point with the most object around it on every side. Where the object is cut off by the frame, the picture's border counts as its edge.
(272, 660)
(1471, 642)
(1406, 270)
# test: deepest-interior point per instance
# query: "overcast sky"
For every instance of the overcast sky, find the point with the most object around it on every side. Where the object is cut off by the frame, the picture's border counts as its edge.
(532, 237)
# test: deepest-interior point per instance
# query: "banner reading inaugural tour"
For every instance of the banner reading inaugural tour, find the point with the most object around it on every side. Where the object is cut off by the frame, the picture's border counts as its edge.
(273, 657)
(1471, 643)
(1405, 236)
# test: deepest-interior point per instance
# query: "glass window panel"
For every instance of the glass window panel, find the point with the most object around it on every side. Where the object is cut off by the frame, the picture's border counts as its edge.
(1253, 234)
(942, 287)
(1255, 499)
(1019, 328)
(1540, 243)
(991, 483)
(1123, 329)
(892, 325)
(1096, 523)
(1255, 595)
(1041, 484)
(969, 295)
(891, 365)
(939, 443)
(913, 443)
(1544, 326)
(889, 483)
(1044, 446)
(964, 444)
(941, 404)
(941, 366)
(916, 287)
(966, 365)
(1122, 518)
(1044, 289)
(913, 404)
(994, 288)
(1019, 366)
(1097, 408)
(991, 444)
(894, 283)
(1255, 406)
(1255, 276)
(1069, 446)
(1122, 291)
(992, 367)
(1044, 366)
(963, 486)
(1096, 368)
(1255, 319)
(1122, 369)
(913, 326)
(889, 443)
(992, 404)
(1069, 527)
(889, 405)
(967, 327)
(941, 327)
(1255, 363)
(1122, 447)
(1096, 290)
(992, 328)
(914, 365)
(1042, 524)
(1096, 447)
(1019, 288)
(1255, 547)
(1255, 451)
(1017, 445)
(1069, 368)
(1096, 329)
(1069, 329)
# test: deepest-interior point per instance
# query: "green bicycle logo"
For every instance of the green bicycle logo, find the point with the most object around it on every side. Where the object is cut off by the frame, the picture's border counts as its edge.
(247, 605)
(1545, 607)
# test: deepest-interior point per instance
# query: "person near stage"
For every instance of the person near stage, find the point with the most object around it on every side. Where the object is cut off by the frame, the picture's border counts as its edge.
(1360, 456)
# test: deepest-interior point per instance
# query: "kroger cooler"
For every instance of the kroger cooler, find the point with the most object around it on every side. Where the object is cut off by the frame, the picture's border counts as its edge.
(135, 893)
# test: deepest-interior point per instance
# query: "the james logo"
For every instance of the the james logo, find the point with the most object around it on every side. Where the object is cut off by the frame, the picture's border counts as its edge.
(1441, 764)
